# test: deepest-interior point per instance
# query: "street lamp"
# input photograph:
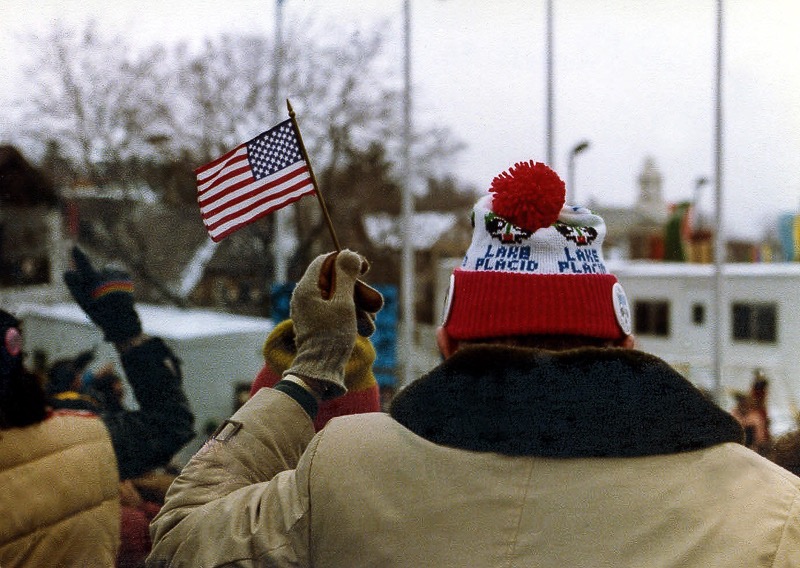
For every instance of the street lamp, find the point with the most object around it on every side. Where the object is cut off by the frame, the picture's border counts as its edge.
(577, 149)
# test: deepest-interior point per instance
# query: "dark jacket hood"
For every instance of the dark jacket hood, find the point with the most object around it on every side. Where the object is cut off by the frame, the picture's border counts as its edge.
(586, 402)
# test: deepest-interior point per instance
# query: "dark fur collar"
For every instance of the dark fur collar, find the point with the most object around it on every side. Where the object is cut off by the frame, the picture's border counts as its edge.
(579, 403)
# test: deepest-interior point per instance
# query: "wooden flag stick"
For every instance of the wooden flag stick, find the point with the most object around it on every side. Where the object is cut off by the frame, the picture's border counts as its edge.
(313, 178)
(366, 299)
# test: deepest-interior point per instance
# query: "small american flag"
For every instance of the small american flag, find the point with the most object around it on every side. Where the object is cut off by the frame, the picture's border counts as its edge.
(252, 180)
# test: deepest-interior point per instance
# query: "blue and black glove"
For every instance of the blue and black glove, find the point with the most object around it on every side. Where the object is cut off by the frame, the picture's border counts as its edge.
(106, 297)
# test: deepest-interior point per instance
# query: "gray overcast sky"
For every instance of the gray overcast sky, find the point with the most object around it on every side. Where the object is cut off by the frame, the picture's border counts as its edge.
(635, 78)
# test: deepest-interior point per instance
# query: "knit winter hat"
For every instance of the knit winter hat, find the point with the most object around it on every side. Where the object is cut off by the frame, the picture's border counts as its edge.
(535, 266)
(363, 394)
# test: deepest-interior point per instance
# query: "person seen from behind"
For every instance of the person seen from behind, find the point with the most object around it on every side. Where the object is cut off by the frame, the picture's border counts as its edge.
(140, 497)
(145, 439)
(150, 436)
(65, 383)
(759, 392)
(544, 438)
(746, 411)
(60, 498)
(785, 451)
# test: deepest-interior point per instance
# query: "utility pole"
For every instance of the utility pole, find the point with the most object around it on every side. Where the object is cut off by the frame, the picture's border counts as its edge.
(407, 260)
(280, 253)
(719, 239)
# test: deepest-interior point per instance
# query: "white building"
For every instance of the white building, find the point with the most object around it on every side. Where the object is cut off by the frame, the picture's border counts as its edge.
(673, 307)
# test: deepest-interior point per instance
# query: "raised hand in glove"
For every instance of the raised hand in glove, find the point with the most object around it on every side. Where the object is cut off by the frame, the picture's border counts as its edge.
(325, 317)
(367, 299)
(106, 297)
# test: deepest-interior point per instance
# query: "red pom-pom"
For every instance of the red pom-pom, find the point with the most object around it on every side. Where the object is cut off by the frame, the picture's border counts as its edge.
(529, 194)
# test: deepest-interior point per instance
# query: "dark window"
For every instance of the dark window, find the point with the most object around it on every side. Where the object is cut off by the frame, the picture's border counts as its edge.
(651, 317)
(755, 322)
(698, 314)
(24, 259)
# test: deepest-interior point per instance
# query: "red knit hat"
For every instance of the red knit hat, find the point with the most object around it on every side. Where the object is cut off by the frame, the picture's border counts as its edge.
(535, 266)
(363, 394)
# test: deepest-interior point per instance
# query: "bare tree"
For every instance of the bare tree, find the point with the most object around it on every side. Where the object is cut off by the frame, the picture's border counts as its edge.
(104, 101)
(123, 115)
(91, 95)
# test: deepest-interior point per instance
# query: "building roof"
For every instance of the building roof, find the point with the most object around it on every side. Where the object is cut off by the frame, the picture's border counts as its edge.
(162, 321)
(426, 229)
(623, 268)
(139, 192)
(23, 184)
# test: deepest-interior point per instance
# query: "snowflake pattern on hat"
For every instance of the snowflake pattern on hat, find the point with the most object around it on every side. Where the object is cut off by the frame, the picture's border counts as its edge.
(535, 265)
(572, 244)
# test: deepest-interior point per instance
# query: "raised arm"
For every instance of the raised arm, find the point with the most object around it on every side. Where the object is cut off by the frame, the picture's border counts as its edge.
(148, 437)
(244, 497)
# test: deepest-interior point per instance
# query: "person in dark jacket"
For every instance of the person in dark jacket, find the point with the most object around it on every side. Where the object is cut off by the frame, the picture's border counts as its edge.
(107, 388)
(149, 437)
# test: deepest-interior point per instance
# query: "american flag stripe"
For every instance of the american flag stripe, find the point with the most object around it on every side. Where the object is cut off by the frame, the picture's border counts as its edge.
(252, 180)
(208, 179)
(253, 196)
(227, 178)
(241, 187)
(224, 227)
(211, 168)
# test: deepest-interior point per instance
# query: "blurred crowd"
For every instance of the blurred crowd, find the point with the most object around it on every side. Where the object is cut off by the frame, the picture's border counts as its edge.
(86, 475)
(751, 410)
(71, 414)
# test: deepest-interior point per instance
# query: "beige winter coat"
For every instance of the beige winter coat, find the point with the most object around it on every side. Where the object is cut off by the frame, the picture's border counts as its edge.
(60, 494)
(601, 459)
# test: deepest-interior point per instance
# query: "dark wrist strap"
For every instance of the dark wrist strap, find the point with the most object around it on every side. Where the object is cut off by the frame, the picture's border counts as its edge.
(300, 395)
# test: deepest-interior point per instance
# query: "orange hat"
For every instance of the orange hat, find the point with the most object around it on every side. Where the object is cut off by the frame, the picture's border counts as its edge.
(363, 394)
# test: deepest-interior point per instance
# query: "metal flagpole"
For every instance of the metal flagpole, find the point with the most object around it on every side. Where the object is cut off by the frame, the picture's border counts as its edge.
(280, 254)
(407, 260)
(317, 192)
(719, 243)
(549, 79)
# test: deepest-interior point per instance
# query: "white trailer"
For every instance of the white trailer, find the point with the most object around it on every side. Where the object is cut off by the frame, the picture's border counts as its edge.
(221, 353)
(673, 307)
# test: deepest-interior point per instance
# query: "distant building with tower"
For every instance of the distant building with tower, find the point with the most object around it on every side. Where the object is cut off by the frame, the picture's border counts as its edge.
(637, 232)
(655, 229)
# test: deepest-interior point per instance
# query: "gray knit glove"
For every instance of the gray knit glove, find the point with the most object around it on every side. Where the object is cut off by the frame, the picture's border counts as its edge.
(323, 311)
